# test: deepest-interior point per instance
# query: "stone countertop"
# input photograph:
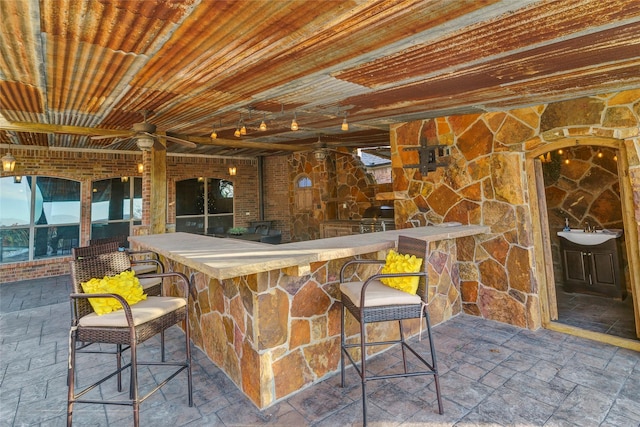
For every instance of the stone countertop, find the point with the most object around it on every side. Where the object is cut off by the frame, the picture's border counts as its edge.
(224, 258)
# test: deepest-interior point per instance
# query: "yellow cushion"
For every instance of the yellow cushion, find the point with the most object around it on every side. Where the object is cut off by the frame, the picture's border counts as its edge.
(125, 284)
(399, 263)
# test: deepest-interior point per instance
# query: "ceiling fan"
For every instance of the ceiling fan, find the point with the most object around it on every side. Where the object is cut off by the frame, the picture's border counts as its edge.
(144, 134)
(321, 149)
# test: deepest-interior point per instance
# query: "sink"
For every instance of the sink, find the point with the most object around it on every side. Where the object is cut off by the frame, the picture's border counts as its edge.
(579, 237)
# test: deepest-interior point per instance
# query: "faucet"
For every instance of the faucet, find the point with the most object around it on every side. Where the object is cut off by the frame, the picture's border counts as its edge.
(587, 227)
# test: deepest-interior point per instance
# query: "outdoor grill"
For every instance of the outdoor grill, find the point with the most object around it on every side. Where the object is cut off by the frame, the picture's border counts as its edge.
(377, 218)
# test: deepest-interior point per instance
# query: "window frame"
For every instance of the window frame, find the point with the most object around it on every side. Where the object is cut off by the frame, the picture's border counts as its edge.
(33, 228)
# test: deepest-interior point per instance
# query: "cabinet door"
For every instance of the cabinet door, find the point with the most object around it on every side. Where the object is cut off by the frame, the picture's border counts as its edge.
(575, 269)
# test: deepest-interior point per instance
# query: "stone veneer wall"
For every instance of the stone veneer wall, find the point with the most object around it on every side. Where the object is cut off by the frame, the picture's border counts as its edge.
(342, 190)
(485, 183)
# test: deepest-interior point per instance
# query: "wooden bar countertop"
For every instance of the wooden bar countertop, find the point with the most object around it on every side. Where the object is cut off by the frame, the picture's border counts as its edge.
(224, 258)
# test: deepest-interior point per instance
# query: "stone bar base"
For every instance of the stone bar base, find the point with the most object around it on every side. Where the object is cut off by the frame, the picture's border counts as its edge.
(277, 331)
(273, 333)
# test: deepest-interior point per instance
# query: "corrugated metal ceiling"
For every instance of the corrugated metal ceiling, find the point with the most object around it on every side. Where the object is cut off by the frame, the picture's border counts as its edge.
(204, 64)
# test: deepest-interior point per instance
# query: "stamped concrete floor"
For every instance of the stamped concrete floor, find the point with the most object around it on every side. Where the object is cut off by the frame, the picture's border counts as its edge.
(492, 374)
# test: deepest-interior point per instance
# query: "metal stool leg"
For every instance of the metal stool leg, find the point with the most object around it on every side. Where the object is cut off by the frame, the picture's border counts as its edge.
(434, 362)
(342, 345)
(363, 373)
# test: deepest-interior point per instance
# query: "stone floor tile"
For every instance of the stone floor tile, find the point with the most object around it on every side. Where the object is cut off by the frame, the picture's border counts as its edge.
(475, 419)
(493, 380)
(320, 401)
(243, 413)
(462, 390)
(548, 392)
(509, 408)
(9, 407)
(520, 361)
(584, 407)
(596, 379)
(544, 370)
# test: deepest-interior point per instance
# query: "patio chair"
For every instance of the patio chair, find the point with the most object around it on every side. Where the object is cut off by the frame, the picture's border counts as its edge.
(126, 327)
(150, 264)
(371, 301)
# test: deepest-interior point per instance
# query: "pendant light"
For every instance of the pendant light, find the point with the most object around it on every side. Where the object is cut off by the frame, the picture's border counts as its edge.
(294, 123)
(345, 125)
(263, 125)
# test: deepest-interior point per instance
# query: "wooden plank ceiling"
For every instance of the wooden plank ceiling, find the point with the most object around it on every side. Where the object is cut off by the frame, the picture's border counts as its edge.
(200, 65)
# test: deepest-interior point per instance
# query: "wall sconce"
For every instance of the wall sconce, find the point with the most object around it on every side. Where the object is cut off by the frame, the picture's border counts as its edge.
(8, 163)
(17, 179)
(232, 170)
(140, 168)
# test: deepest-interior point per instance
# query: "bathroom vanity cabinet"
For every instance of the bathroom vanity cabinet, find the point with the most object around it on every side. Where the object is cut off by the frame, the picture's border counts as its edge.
(593, 269)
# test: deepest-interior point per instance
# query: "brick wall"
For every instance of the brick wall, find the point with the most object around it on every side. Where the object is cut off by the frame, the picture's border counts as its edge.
(87, 166)
(277, 207)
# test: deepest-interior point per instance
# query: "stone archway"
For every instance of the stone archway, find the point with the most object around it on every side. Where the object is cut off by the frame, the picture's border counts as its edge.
(542, 246)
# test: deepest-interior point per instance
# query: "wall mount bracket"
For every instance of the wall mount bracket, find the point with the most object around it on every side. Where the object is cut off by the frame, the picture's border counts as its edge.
(431, 156)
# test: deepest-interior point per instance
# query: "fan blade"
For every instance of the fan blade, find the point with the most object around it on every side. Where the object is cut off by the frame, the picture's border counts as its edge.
(116, 142)
(99, 137)
(180, 141)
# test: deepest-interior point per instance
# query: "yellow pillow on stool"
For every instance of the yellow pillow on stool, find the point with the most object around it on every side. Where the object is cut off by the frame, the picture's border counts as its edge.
(399, 263)
(125, 284)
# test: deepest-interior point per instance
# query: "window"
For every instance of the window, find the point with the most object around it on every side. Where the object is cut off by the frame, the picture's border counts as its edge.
(304, 193)
(116, 205)
(204, 204)
(39, 217)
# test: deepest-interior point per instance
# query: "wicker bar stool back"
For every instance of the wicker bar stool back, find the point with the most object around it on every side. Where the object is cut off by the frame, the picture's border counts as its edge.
(127, 327)
(142, 261)
(371, 301)
(93, 250)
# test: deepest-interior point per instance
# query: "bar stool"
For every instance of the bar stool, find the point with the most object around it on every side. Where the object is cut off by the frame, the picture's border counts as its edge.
(371, 301)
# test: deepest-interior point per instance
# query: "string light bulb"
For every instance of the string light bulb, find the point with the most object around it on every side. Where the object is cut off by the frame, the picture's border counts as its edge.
(294, 123)
(599, 154)
(345, 125)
